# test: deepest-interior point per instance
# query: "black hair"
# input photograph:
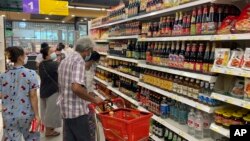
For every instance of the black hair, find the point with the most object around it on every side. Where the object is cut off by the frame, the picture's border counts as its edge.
(95, 56)
(45, 52)
(13, 53)
(60, 47)
(44, 45)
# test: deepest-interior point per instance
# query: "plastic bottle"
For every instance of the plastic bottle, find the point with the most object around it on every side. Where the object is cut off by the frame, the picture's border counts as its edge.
(206, 124)
(182, 114)
(172, 109)
(191, 118)
(164, 108)
(199, 125)
(176, 112)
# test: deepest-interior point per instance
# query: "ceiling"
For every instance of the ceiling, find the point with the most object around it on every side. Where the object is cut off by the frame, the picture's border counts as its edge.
(12, 9)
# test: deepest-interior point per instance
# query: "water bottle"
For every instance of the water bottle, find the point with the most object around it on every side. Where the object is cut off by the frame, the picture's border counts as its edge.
(164, 108)
(182, 114)
(172, 109)
(191, 117)
(176, 112)
(199, 125)
(206, 125)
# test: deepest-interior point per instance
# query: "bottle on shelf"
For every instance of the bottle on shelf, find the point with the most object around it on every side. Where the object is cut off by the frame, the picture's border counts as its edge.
(205, 65)
(191, 122)
(187, 57)
(212, 57)
(204, 20)
(193, 22)
(193, 57)
(199, 125)
(164, 108)
(199, 21)
(206, 125)
(200, 56)
(211, 21)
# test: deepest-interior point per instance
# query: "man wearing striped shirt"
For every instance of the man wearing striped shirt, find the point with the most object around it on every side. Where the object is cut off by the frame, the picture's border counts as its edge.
(74, 98)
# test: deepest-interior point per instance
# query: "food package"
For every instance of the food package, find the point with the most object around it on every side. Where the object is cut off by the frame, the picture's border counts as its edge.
(236, 58)
(221, 57)
(247, 89)
(246, 60)
(243, 22)
(227, 25)
(238, 88)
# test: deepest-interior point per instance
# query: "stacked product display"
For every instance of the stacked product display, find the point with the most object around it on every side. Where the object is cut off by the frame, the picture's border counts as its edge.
(185, 61)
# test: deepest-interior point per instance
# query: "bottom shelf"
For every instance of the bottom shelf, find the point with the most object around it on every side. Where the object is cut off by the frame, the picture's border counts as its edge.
(220, 130)
(155, 138)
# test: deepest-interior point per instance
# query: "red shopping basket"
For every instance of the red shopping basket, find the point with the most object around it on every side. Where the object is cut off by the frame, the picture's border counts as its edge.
(125, 124)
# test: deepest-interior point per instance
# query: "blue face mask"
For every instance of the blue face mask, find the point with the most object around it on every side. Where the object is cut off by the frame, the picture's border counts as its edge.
(87, 57)
(53, 56)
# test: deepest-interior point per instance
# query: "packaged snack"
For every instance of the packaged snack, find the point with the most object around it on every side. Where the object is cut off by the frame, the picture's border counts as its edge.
(236, 58)
(227, 25)
(246, 60)
(221, 57)
(243, 22)
(247, 89)
(238, 88)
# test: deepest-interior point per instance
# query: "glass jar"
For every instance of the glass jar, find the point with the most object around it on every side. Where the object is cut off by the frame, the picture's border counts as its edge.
(218, 116)
(227, 119)
(237, 118)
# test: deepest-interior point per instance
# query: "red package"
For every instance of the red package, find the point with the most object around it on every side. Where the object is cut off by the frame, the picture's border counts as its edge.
(227, 25)
(36, 127)
(243, 22)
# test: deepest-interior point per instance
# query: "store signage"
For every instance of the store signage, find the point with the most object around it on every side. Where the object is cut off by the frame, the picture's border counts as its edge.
(48, 7)
(31, 6)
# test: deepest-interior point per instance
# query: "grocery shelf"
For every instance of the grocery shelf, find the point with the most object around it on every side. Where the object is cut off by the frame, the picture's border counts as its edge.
(203, 77)
(179, 38)
(243, 36)
(220, 130)
(155, 138)
(99, 95)
(164, 11)
(181, 130)
(229, 71)
(231, 100)
(100, 80)
(181, 99)
(119, 73)
(123, 37)
(115, 90)
(103, 53)
(125, 59)
(101, 41)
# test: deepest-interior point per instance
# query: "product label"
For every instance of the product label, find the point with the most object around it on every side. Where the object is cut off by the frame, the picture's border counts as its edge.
(198, 28)
(198, 126)
(193, 29)
(190, 123)
(198, 66)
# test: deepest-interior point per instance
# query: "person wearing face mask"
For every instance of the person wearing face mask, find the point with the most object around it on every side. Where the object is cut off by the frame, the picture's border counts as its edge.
(18, 87)
(50, 112)
(74, 97)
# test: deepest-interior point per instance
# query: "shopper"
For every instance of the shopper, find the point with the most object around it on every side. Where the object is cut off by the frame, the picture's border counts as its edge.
(90, 70)
(50, 112)
(60, 52)
(18, 87)
(68, 50)
(74, 98)
(39, 57)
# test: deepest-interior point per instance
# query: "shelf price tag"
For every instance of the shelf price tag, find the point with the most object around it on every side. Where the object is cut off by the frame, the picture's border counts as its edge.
(233, 37)
(247, 105)
(181, 133)
(229, 100)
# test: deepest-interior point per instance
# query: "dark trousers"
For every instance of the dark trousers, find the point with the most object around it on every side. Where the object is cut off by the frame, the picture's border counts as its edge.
(78, 129)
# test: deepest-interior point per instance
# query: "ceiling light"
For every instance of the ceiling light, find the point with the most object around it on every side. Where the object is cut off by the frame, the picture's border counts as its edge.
(24, 19)
(46, 18)
(81, 20)
(85, 19)
(3, 15)
(87, 8)
(63, 21)
(73, 15)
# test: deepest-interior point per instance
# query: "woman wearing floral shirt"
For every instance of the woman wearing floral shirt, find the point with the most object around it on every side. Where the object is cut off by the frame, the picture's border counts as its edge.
(18, 87)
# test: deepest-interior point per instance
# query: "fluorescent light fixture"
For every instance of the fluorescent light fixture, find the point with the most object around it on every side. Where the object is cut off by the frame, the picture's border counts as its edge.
(89, 8)
(63, 21)
(85, 19)
(81, 20)
(46, 18)
(73, 15)
(24, 19)
(3, 15)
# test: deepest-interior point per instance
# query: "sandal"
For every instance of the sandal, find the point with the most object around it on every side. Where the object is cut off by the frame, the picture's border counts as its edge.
(53, 134)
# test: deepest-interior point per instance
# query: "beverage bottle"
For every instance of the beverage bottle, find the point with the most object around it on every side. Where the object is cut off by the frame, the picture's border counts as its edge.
(168, 50)
(181, 55)
(176, 112)
(220, 16)
(193, 22)
(212, 57)
(175, 27)
(161, 131)
(148, 53)
(179, 138)
(196, 90)
(167, 30)
(144, 49)
(164, 108)
(166, 134)
(211, 22)
(188, 25)
(191, 120)
(181, 117)
(199, 21)
(163, 26)
(172, 109)
(204, 20)
(179, 25)
(154, 52)
(170, 136)
(193, 57)
(206, 59)
(206, 125)
(174, 138)
(200, 56)
(171, 55)
(183, 26)
(199, 125)
(176, 54)
(187, 57)
(185, 87)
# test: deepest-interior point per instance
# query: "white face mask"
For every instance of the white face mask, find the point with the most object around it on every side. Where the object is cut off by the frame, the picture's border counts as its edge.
(87, 57)
(53, 56)
(25, 60)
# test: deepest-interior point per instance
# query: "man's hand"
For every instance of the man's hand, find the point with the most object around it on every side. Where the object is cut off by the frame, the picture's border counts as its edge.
(98, 100)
